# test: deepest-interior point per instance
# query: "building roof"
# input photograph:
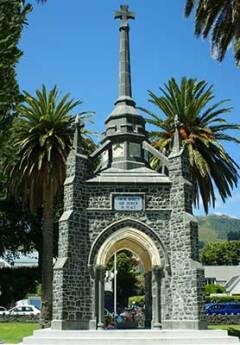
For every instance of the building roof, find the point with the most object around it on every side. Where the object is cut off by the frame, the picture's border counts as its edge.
(22, 260)
(4, 263)
(232, 283)
(222, 273)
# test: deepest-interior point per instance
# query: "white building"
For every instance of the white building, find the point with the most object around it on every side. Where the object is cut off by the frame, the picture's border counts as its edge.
(227, 276)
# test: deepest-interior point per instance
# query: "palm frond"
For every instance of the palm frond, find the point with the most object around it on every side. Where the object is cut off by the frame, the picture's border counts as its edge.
(202, 131)
(221, 21)
(43, 138)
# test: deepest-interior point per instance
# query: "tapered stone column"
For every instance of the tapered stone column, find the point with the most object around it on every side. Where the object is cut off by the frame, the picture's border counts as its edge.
(148, 299)
(125, 88)
(157, 274)
(100, 287)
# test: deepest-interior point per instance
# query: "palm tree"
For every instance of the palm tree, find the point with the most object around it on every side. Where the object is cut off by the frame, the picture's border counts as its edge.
(202, 129)
(220, 19)
(43, 137)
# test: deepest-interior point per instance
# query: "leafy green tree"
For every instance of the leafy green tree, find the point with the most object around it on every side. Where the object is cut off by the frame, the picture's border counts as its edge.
(17, 283)
(12, 19)
(13, 15)
(221, 253)
(43, 138)
(127, 281)
(201, 131)
(19, 229)
(220, 19)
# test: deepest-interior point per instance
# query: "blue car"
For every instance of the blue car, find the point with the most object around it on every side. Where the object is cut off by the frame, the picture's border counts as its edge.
(229, 308)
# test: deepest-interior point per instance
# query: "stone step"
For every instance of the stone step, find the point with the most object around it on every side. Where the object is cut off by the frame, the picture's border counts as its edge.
(133, 341)
(126, 337)
(49, 333)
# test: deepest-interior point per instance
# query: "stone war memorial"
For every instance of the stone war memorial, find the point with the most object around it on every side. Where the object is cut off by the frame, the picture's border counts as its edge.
(127, 205)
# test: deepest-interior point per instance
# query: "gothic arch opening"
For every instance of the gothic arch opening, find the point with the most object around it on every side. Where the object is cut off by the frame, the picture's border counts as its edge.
(133, 240)
(152, 258)
(148, 238)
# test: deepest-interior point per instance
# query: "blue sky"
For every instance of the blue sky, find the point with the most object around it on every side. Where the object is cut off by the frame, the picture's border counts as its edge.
(74, 44)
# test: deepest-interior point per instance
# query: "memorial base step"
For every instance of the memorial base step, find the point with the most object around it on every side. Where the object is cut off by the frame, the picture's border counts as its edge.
(130, 337)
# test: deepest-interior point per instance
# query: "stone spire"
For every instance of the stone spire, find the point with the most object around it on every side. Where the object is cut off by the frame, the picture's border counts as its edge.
(124, 128)
(125, 87)
(125, 145)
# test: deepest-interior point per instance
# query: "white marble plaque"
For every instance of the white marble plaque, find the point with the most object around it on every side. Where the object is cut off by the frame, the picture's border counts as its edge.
(128, 202)
(118, 150)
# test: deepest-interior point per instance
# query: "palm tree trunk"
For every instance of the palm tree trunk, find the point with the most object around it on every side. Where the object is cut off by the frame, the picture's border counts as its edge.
(47, 258)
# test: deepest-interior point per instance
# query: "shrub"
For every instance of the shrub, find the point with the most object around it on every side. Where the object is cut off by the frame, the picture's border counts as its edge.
(139, 300)
(213, 288)
(222, 299)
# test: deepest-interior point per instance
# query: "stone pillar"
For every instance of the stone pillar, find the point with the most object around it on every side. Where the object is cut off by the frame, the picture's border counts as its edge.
(93, 321)
(185, 271)
(148, 299)
(72, 284)
(156, 297)
(100, 297)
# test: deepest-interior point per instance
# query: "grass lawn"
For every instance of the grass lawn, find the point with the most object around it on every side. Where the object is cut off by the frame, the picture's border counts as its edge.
(224, 327)
(233, 330)
(14, 332)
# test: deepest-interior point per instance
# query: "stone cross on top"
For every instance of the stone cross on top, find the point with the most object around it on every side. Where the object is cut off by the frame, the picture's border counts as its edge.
(124, 15)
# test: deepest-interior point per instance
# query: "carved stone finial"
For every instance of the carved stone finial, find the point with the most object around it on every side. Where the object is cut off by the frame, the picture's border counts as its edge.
(78, 122)
(176, 122)
(176, 140)
(78, 125)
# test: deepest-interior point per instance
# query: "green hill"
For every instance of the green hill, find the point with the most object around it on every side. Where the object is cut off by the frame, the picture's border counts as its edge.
(217, 228)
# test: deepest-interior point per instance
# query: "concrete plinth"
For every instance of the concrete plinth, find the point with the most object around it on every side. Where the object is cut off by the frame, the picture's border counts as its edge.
(69, 325)
(130, 337)
(188, 325)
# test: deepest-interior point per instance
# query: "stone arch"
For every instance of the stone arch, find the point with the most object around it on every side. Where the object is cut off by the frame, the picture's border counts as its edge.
(129, 234)
(133, 240)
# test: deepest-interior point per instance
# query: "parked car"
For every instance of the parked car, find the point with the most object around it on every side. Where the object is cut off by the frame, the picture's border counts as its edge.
(3, 311)
(23, 310)
(223, 308)
(32, 300)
